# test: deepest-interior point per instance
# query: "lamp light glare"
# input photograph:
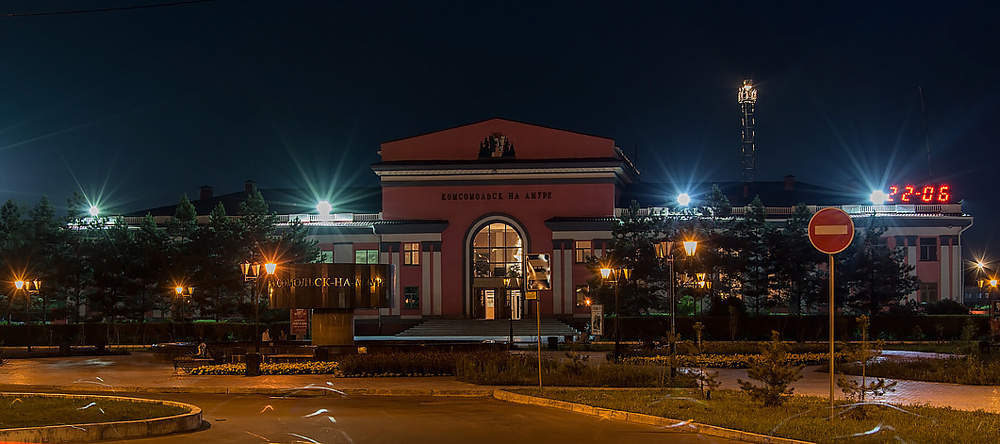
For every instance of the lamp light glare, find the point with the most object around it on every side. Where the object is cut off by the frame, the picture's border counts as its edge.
(690, 247)
(94, 211)
(878, 197)
(324, 207)
(684, 199)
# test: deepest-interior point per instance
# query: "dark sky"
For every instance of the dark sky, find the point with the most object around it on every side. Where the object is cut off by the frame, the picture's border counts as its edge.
(134, 107)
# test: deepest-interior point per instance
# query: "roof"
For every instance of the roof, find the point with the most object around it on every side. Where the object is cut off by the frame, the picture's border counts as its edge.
(359, 200)
(786, 193)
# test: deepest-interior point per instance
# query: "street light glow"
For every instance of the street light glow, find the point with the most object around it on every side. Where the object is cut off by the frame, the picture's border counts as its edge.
(878, 197)
(94, 211)
(324, 207)
(684, 199)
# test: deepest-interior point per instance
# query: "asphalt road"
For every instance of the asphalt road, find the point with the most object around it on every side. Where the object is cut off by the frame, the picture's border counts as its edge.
(436, 420)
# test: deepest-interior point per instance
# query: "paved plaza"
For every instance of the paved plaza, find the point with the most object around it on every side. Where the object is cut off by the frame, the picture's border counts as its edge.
(147, 372)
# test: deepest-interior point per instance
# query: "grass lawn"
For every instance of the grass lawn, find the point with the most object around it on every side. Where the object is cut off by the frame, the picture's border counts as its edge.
(38, 411)
(801, 417)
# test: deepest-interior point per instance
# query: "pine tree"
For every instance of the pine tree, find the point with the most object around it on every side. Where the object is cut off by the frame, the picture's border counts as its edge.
(774, 371)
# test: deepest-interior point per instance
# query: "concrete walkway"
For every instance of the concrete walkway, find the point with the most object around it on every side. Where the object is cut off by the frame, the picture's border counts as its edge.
(146, 372)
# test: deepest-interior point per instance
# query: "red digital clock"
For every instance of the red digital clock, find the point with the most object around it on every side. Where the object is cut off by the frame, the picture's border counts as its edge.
(912, 194)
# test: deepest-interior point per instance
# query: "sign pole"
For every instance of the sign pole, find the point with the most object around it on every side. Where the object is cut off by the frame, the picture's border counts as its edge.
(538, 316)
(831, 231)
(832, 372)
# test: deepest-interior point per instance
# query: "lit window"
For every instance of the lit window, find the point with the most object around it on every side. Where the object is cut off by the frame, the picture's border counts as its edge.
(928, 249)
(326, 257)
(582, 295)
(411, 297)
(928, 292)
(584, 249)
(366, 256)
(411, 253)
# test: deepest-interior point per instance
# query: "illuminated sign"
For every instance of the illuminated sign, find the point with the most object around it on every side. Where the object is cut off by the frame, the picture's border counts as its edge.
(913, 194)
(497, 195)
(344, 286)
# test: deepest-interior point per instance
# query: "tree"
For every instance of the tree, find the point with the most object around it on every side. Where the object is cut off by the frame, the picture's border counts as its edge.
(774, 370)
(632, 247)
(875, 274)
(753, 235)
(796, 261)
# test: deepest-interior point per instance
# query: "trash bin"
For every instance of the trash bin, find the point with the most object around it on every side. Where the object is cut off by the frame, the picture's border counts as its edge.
(553, 343)
(253, 364)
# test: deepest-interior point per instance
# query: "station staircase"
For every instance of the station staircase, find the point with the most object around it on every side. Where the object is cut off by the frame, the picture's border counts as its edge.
(525, 330)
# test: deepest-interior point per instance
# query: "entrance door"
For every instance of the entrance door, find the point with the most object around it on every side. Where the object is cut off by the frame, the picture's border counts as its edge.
(516, 303)
(496, 262)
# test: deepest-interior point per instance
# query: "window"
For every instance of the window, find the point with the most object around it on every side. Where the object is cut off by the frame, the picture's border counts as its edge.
(928, 292)
(928, 249)
(497, 251)
(326, 257)
(366, 256)
(584, 249)
(411, 253)
(411, 297)
(583, 296)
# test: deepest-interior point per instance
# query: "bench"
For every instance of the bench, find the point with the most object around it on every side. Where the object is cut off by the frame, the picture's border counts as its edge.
(188, 363)
(192, 361)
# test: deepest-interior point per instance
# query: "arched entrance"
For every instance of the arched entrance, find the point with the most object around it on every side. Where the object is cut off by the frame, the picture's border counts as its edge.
(496, 253)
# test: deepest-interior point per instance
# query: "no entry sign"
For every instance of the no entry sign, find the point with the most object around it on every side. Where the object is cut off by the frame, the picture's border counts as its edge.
(831, 230)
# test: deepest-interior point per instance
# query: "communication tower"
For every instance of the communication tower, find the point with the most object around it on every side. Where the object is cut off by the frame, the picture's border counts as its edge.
(747, 96)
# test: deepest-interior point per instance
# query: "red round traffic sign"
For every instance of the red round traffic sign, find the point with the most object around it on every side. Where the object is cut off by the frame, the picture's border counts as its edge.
(831, 230)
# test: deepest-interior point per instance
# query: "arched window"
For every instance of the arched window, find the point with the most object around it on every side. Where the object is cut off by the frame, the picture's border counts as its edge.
(497, 252)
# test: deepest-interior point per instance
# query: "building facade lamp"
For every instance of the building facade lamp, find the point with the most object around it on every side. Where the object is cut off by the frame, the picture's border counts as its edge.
(878, 197)
(324, 207)
(684, 199)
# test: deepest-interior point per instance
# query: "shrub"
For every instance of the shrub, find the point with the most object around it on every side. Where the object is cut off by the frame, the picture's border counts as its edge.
(774, 371)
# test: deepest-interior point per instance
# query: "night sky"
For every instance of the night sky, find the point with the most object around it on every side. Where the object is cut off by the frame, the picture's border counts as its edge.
(134, 107)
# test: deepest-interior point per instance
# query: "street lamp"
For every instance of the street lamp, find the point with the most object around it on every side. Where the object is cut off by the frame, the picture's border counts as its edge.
(30, 287)
(251, 271)
(509, 284)
(615, 275)
(665, 251)
(991, 287)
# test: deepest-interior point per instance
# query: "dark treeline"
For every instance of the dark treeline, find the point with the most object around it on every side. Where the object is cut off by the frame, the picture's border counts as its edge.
(744, 263)
(101, 269)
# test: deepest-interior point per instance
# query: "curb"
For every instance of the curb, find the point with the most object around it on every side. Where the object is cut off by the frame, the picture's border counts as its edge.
(142, 428)
(659, 421)
(276, 391)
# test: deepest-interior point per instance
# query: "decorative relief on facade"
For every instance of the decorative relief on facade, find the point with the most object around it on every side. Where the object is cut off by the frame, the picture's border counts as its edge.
(496, 146)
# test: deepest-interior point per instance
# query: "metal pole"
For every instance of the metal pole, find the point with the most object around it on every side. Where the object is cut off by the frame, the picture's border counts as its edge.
(510, 317)
(538, 316)
(256, 316)
(673, 317)
(832, 372)
(618, 330)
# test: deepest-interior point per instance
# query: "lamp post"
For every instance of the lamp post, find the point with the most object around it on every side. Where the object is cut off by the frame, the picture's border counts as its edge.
(991, 286)
(251, 271)
(30, 287)
(615, 276)
(184, 299)
(665, 251)
(510, 283)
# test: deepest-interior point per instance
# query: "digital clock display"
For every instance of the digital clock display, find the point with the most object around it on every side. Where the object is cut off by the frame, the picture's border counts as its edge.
(919, 194)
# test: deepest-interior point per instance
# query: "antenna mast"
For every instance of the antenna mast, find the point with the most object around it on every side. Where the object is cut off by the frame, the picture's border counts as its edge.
(927, 137)
(747, 96)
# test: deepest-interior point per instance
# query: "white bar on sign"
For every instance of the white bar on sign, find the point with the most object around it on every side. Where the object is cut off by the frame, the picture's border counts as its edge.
(830, 230)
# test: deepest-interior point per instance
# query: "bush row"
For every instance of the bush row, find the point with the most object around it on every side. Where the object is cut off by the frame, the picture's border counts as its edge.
(805, 327)
(729, 360)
